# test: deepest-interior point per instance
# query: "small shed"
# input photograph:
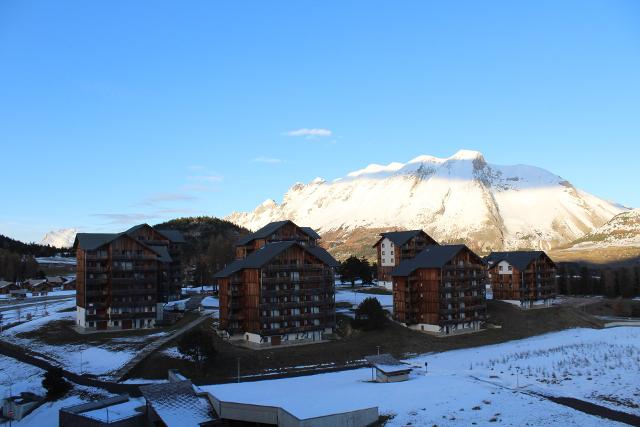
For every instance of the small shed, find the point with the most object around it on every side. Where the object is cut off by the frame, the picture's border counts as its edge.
(388, 368)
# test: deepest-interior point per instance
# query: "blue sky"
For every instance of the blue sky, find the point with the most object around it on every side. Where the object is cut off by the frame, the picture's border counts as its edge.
(113, 113)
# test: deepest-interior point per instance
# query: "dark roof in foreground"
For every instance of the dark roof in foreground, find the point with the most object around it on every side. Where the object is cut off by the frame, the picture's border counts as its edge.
(433, 256)
(174, 235)
(399, 237)
(519, 259)
(269, 251)
(177, 404)
(387, 363)
(271, 228)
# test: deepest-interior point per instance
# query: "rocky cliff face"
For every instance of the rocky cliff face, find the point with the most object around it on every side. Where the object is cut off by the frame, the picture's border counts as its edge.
(462, 198)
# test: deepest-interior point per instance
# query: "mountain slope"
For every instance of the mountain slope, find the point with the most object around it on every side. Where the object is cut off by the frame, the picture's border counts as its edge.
(460, 198)
(62, 238)
(623, 230)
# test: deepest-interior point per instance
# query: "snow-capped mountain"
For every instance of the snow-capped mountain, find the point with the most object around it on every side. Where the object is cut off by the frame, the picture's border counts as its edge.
(459, 198)
(62, 238)
(623, 230)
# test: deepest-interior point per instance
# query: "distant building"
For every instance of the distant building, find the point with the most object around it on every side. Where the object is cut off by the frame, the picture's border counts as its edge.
(388, 369)
(525, 276)
(124, 279)
(397, 246)
(275, 232)
(280, 288)
(441, 290)
(37, 286)
(7, 287)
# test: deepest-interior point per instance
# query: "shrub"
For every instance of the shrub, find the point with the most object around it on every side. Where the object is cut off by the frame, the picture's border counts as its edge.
(197, 345)
(55, 384)
(370, 315)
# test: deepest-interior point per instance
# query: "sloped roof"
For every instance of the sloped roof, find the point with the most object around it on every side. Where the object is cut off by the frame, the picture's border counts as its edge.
(4, 283)
(387, 363)
(433, 256)
(177, 404)
(175, 236)
(400, 237)
(269, 251)
(91, 241)
(271, 228)
(54, 279)
(311, 232)
(163, 253)
(519, 259)
(263, 232)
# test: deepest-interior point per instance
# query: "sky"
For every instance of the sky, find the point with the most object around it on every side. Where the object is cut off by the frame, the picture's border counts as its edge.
(115, 113)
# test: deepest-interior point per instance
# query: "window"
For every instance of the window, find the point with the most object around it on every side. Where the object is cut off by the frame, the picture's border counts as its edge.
(382, 252)
(510, 268)
(500, 267)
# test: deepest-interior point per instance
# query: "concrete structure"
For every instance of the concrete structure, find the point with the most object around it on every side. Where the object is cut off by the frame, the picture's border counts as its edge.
(388, 369)
(280, 289)
(176, 404)
(525, 276)
(397, 246)
(117, 411)
(17, 407)
(124, 279)
(441, 290)
(274, 415)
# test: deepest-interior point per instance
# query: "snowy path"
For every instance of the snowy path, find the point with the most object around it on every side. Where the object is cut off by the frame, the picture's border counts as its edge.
(121, 373)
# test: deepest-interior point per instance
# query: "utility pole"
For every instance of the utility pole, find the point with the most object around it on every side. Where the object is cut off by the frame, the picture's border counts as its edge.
(238, 370)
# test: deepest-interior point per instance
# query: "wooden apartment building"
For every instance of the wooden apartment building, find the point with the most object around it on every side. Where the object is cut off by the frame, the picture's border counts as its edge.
(124, 279)
(525, 276)
(396, 246)
(280, 288)
(441, 290)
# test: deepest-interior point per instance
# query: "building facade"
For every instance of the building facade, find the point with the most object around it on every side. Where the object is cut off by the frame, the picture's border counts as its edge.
(282, 289)
(441, 290)
(525, 276)
(124, 279)
(397, 246)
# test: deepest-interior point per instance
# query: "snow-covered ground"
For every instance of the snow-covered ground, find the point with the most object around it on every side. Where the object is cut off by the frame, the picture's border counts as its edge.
(16, 377)
(79, 358)
(479, 385)
(29, 295)
(24, 311)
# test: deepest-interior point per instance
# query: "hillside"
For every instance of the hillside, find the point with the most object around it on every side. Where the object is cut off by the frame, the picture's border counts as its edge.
(32, 249)
(617, 241)
(209, 242)
(462, 198)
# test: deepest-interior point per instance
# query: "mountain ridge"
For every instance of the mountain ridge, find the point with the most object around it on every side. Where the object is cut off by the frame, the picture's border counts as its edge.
(458, 198)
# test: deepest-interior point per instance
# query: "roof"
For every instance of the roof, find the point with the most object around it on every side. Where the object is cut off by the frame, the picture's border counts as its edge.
(163, 253)
(432, 256)
(263, 232)
(519, 259)
(399, 237)
(174, 235)
(55, 279)
(271, 228)
(177, 404)
(269, 251)
(4, 283)
(311, 232)
(92, 241)
(387, 363)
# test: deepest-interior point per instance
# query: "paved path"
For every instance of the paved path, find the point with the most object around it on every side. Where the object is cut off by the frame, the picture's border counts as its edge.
(121, 374)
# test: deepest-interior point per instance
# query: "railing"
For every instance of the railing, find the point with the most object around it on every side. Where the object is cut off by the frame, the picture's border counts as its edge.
(294, 304)
(290, 317)
(308, 291)
(294, 267)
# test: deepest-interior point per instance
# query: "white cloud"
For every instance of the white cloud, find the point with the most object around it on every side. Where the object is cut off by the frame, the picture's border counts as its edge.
(310, 133)
(271, 160)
